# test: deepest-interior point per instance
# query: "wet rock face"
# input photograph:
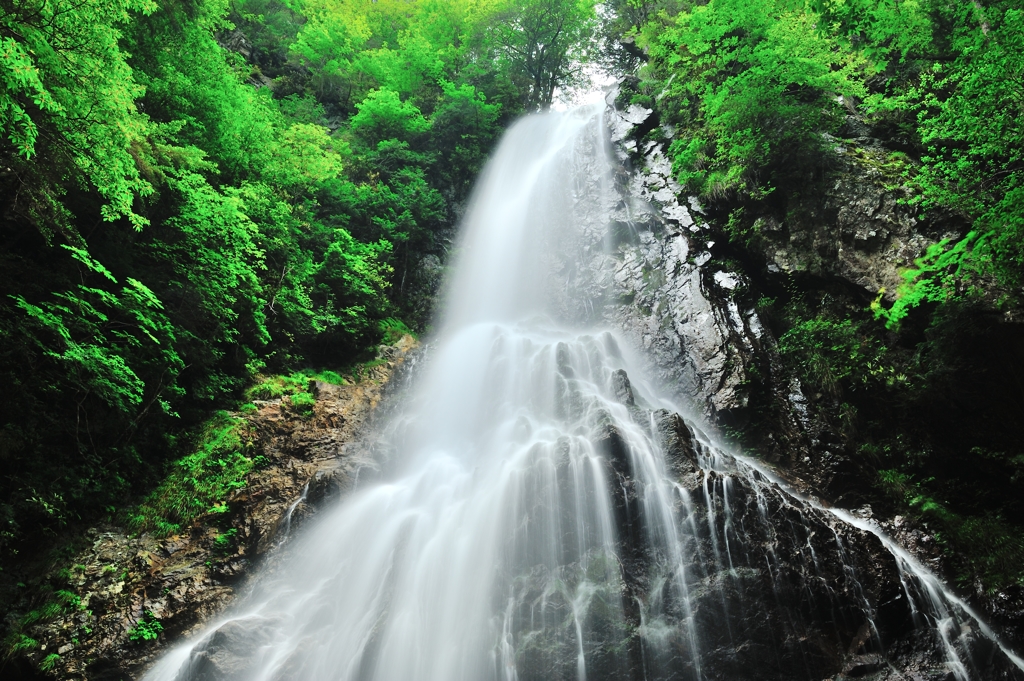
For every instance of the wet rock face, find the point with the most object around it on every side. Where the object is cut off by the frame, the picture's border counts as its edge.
(754, 583)
(219, 659)
(773, 587)
(766, 584)
(120, 584)
(665, 294)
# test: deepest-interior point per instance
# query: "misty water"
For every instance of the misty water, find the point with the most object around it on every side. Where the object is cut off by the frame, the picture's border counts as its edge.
(545, 512)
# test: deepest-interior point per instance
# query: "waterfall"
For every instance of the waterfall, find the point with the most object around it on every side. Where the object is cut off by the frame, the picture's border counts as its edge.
(546, 514)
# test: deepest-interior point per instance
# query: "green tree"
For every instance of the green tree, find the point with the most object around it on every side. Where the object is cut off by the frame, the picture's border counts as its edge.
(750, 87)
(545, 45)
(199, 190)
(68, 100)
(953, 76)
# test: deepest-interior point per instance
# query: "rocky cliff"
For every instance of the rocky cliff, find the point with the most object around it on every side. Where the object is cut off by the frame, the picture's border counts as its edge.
(688, 287)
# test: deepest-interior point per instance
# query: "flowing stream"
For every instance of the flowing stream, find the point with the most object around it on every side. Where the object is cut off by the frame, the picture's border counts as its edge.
(546, 515)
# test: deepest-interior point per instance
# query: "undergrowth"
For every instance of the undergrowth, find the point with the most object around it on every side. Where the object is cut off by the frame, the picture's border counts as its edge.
(926, 414)
(996, 548)
(393, 329)
(294, 388)
(56, 603)
(198, 482)
(148, 628)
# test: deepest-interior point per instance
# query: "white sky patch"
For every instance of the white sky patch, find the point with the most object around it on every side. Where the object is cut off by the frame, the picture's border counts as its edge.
(592, 93)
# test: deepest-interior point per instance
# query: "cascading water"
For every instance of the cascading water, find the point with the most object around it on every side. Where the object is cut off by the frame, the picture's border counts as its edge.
(545, 517)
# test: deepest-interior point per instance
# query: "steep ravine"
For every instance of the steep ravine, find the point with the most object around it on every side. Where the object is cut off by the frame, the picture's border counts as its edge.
(688, 563)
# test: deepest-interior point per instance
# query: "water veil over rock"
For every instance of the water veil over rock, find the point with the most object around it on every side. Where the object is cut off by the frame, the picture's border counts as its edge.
(544, 513)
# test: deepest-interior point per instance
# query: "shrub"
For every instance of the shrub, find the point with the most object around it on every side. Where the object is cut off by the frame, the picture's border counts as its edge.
(303, 403)
(146, 629)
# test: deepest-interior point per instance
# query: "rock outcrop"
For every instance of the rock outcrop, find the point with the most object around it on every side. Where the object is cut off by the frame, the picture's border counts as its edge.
(865, 229)
(694, 316)
(673, 301)
(753, 581)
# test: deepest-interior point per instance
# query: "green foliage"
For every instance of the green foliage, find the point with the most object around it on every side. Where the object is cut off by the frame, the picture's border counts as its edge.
(302, 403)
(394, 329)
(296, 386)
(955, 71)
(328, 376)
(462, 128)
(49, 662)
(22, 643)
(750, 87)
(273, 387)
(67, 86)
(211, 253)
(148, 628)
(183, 215)
(829, 355)
(939, 272)
(225, 541)
(383, 116)
(68, 600)
(197, 92)
(56, 603)
(996, 546)
(217, 467)
(93, 335)
(545, 45)
(328, 42)
(303, 157)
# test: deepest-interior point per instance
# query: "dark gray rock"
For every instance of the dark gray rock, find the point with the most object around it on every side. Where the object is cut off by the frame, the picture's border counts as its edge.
(864, 231)
(676, 442)
(231, 652)
(622, 389)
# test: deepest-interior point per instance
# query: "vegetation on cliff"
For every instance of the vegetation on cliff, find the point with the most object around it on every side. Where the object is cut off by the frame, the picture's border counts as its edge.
(760, 101)
(196, 192)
